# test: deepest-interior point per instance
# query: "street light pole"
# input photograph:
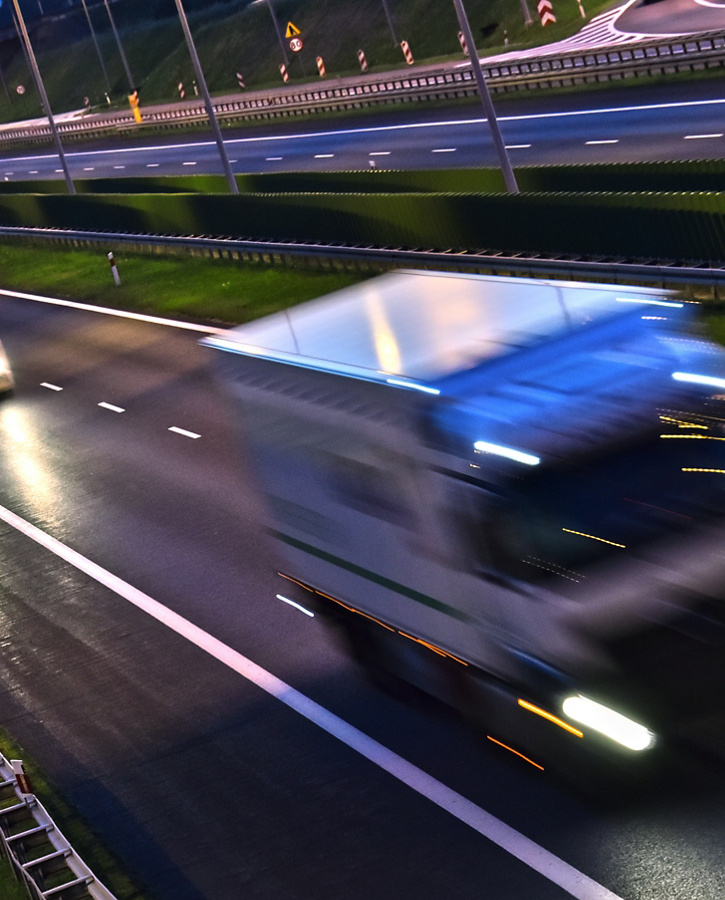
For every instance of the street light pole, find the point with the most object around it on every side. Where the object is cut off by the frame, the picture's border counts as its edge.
(508, 172)
(43, 96)
(527, 14)
(279, 34)
(129, 76)
(391, 22)
(95, 44)
(201, 81)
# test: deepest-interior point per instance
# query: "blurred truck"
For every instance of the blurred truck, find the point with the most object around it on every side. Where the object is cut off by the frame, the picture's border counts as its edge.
(508, 493)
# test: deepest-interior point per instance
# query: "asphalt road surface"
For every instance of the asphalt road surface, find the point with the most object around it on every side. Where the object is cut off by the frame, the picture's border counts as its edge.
(654, 122)
(147, 687)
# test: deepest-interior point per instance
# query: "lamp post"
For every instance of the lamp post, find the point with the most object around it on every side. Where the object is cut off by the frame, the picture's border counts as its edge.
(95, 44)
(279, 33)
(43, 96)
(391, 22)
(508, 172)
(527, 15)
(201, 81)
(129, 76)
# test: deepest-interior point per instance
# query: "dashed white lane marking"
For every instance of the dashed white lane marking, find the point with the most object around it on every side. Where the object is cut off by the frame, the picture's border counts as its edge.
(444, 150)
(324, 155)
(119, 167)
(152, 165)
(184, 432)
(188, 164)
(51, 387)
(608, 141)
(307, 612)
(116, 409)
(517, 146)
(698, 137)
(58, 170)
(518, 845)
(380, 153)
(267, 159)
(89, 168)
(33, 172)
(121, 314)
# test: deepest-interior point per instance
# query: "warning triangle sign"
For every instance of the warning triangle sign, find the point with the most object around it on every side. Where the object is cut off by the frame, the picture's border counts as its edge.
(292, 30)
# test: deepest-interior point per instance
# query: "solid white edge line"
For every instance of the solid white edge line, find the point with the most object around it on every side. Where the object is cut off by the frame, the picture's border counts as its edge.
(116, 409)
(87, 307)
(504, 836)
(184, 433)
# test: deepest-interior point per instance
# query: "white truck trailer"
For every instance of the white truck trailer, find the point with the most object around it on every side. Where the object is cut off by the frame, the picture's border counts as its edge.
(507, 492)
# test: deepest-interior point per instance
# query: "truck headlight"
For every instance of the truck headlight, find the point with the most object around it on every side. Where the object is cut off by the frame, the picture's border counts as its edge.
(608, 722)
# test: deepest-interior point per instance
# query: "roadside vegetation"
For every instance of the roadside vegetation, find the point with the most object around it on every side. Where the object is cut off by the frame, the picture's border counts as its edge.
(86, 844)
(239, 37)
(223, 291)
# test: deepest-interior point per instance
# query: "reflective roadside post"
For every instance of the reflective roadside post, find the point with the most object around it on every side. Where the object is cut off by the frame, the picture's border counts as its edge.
(231, 181)
(508, 172)
(43, 96)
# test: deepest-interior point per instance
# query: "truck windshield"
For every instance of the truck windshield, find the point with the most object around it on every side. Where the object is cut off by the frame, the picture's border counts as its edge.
(554, 522)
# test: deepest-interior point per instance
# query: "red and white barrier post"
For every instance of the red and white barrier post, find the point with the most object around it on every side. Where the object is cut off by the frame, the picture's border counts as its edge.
(284, 73)
(361, 59)
(546, 12)
(407, 52)
(464, 45)
(320, 66)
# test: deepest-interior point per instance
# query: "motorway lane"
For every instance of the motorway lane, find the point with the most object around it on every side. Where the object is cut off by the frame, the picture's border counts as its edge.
(654, 122)
(161, 745)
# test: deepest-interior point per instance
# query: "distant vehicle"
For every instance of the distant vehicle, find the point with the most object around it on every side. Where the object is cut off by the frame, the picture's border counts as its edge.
(7, 382)
(507, 492)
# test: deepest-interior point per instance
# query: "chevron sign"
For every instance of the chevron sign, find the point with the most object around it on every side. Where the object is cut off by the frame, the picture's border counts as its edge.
(546, 12)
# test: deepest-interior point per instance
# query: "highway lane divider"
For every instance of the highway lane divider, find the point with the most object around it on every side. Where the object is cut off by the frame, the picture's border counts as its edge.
(41, 857)
(686, 228)
(666, 176)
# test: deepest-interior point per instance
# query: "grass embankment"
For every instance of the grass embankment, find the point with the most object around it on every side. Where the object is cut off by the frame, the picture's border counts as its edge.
(193, 288)
(232, 37)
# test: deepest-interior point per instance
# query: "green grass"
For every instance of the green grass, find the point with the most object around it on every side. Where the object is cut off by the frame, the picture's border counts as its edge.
(231, 39)
(9, 887)
(210, 290)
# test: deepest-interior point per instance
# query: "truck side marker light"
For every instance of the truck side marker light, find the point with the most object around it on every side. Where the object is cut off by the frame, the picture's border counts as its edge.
(294, 581)
(594, 537)
(537, 710)
(527, 459)
(711, 471)
(307, 612)
(692, 437)
(693, 378)
(506, 747)
(412, 384)
(670, 303)
(682, 423)
(432, 647)
(608, 722)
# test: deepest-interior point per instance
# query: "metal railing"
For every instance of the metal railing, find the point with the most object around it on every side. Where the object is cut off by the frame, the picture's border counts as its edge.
(371, 258)
(40, 855)
(657, 57)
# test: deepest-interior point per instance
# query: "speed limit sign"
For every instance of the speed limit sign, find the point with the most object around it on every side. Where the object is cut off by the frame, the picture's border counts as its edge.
(295, 44)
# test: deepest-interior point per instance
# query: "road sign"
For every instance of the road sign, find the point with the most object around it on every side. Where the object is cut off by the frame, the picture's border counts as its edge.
(292, 30)
(295, 45)
(546, 12)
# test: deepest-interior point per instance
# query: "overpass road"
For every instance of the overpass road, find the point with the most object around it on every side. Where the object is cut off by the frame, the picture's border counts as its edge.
(187, 760)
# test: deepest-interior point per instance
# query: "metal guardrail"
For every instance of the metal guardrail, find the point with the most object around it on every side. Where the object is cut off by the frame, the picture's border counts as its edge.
(281, 253)
(41, 856)
(657, 57)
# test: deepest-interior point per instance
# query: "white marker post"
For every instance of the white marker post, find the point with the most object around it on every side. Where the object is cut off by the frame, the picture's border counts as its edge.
(114, 270)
